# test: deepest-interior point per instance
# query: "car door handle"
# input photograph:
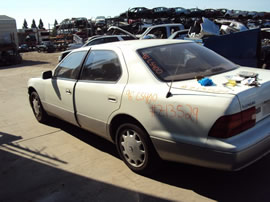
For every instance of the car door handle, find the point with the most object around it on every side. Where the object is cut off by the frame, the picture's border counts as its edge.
(112, 99)
(68, 91)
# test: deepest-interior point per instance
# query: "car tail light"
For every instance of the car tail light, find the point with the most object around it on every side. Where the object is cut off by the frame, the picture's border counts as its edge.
(231, 125)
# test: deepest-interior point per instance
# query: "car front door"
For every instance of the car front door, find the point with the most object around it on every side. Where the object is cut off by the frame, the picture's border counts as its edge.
(60, 89)
(100, 88)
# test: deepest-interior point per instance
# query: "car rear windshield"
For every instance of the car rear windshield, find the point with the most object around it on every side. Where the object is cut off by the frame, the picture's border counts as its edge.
(184, 61)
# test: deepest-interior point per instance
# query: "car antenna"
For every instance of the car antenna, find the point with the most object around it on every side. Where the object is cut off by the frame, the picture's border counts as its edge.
(169, 94)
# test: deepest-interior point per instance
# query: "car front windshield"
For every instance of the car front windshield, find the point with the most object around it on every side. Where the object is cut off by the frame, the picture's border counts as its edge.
(184, 61)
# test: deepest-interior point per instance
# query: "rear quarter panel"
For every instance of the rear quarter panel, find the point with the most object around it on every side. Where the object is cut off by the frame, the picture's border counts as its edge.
(187, 116)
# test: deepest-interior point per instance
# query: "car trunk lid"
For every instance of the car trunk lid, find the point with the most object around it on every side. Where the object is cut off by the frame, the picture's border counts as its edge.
(248, 95)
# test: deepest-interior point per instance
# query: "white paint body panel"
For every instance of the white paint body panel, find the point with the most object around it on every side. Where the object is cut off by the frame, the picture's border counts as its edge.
(58, 99)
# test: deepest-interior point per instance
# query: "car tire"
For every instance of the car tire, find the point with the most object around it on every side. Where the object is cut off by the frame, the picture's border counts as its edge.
(136, 149)
(37, 108)
(18, 59)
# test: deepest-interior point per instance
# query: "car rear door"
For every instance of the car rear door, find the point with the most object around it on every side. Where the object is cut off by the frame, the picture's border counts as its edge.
(60, 89)
(100, 88)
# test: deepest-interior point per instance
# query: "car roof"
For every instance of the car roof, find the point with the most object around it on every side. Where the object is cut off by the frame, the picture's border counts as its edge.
(137, 44)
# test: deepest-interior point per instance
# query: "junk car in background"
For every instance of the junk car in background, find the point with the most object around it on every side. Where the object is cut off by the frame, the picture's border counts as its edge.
(97, 40)
(46, 46)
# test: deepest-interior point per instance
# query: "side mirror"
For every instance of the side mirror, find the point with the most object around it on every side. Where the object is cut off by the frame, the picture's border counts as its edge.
(47, 75)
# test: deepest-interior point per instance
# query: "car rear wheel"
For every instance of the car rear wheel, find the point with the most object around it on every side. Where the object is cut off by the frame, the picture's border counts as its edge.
(37, 108)
(135, 148)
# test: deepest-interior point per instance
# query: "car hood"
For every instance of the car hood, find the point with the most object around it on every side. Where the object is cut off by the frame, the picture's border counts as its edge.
(248, 95)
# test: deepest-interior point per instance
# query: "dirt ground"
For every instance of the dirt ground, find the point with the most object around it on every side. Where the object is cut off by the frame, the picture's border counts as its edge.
(60, 162)
(49, 60)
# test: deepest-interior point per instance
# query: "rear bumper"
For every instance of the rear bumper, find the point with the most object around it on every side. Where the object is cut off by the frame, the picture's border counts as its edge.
(243, 150)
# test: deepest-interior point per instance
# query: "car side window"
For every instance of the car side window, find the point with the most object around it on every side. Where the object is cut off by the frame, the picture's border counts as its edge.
(70, 66)
(101, 65)
(174, 29)
(95, 41)
(110, 39)
(102, 40)
(159, 32)
(129, 37)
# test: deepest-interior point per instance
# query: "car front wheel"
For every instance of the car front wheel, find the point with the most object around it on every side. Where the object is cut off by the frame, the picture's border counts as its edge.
(135, 148)
(37, 108)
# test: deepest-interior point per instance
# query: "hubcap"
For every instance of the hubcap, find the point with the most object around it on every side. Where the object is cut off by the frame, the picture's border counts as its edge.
(36, 106)
(132, 148)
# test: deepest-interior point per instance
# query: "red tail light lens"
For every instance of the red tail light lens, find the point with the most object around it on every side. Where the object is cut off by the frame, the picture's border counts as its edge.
(231, 125)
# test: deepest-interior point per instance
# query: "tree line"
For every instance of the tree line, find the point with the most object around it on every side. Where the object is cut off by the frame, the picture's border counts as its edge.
(33, 25)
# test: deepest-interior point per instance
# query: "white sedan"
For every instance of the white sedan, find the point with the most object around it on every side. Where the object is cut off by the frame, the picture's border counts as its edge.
(161, 99)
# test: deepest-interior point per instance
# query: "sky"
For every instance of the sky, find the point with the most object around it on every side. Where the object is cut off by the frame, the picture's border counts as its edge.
(51, 10)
